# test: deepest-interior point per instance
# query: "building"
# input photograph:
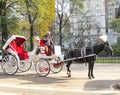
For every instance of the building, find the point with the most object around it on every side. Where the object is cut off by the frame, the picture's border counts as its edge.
(99, 14)
(93, 21)
(117, 9)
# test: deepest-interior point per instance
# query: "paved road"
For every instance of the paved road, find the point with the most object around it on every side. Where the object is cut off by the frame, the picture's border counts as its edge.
(29, 83)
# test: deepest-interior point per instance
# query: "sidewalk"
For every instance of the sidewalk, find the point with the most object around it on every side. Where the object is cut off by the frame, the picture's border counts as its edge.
(44, 90)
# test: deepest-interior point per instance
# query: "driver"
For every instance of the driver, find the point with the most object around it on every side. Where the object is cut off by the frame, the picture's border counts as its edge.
(48, 43)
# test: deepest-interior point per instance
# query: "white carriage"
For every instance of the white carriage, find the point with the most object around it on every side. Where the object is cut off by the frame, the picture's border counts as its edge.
(16, 57)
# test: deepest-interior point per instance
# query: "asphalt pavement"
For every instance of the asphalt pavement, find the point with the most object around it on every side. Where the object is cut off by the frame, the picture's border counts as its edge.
(107, 76)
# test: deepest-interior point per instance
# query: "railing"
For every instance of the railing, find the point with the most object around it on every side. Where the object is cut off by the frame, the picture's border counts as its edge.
(108, 59)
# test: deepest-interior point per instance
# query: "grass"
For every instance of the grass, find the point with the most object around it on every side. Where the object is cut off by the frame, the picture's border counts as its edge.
(108, 60)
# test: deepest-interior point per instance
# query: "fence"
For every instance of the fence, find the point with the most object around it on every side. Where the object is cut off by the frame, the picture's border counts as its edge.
(108, 59)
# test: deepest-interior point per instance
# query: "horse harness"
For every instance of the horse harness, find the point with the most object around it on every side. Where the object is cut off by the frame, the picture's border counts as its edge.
(83, 54)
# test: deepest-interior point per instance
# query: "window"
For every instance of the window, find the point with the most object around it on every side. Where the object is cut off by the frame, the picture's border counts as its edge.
(97, 7)
(109, 3)
(110, 16)
(98, 19)
(97, 2)
(98, 14)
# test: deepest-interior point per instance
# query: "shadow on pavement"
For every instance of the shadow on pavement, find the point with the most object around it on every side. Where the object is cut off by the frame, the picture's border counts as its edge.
(33, 78)
(100, 84)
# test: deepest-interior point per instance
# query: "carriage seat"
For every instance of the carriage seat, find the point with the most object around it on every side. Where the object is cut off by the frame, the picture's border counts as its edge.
(19, 48)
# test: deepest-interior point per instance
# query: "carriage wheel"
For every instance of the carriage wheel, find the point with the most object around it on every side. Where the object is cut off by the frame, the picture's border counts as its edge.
(9, 64)
(42, 67)
(25, 66)
(55, 66)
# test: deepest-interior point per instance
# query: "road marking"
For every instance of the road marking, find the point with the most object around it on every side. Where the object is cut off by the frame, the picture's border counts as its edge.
(3, 93)
(63, 89)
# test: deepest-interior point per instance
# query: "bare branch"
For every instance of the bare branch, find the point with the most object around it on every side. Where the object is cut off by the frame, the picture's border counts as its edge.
(11, 4)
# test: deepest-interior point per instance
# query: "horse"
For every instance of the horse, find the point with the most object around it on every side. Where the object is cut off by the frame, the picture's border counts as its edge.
(100, 45)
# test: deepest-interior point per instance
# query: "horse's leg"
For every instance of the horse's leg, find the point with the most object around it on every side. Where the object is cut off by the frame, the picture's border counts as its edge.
(89, 69)
(92, 66)
(68, 69)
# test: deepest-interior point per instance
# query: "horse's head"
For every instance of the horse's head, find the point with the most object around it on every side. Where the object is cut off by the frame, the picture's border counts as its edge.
(107, 46)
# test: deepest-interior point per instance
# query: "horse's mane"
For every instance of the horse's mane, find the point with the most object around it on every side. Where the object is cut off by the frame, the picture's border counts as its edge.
(102, 39)
(99, 41)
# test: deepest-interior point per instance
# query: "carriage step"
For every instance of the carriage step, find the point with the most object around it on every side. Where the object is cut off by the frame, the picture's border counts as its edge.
(57, 64)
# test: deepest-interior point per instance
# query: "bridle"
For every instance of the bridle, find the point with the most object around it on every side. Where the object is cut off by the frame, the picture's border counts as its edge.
(108, 48)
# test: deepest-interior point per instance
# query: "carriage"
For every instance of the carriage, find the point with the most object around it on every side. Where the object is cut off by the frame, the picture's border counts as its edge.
(16, 57)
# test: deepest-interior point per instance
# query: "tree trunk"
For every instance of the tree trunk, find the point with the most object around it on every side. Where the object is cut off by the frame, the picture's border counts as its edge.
(3, 19)
(31, 22)
(31, 37)
(4, 29)
(60, 31)
(60, 37)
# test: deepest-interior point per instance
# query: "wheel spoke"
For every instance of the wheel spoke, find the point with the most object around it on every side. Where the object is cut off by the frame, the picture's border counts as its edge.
(9, 64)
(42, 67)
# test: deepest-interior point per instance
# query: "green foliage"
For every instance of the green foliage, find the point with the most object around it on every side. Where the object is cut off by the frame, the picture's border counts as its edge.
(13, 25)
(11, 20)
(116, 48)
(3, 0)
(46, 15)
(78, 3)
(42, 11)
(115, 24)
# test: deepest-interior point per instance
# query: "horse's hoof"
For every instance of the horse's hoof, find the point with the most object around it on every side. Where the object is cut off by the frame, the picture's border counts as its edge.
(92, 76)
(69, 75)
(89, 77)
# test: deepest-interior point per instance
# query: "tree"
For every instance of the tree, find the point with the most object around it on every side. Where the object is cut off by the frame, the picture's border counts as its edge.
(32, 11)
(64, 9)
(5, 17)
(47, 16)
(115, 24)
(39, 14)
